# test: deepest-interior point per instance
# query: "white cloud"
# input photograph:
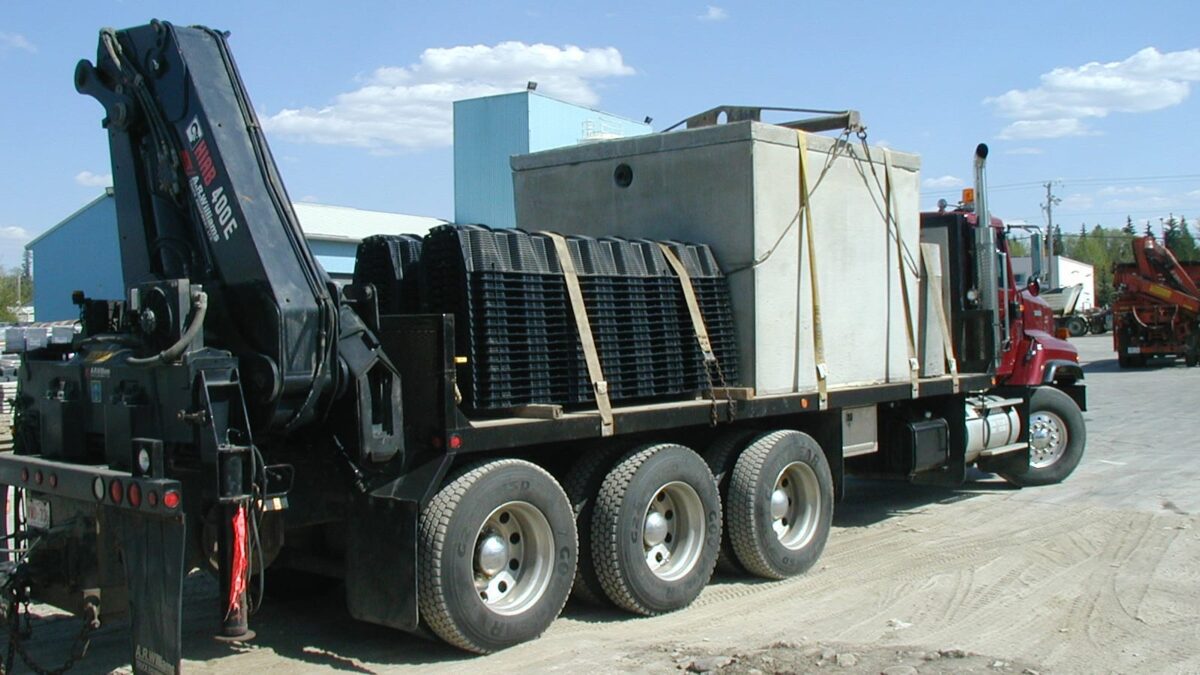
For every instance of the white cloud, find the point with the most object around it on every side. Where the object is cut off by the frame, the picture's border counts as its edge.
(1077, 202)
(16, 41)
(1023, 151)
(89, 179)
(1194, 194)
(12, 232)
(1146, 81)
(942, 183)
(1114, 191)
(411, 106)
(1030, 129)
(713, 13)
(310, 199)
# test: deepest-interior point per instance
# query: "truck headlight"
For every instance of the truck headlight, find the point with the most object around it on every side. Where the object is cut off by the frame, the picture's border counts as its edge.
(143, 461)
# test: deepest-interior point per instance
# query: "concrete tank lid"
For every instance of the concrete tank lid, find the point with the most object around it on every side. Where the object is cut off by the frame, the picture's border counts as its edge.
(737, 132)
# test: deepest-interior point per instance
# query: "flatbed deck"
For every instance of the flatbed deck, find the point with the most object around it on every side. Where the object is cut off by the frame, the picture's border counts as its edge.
(478, 435)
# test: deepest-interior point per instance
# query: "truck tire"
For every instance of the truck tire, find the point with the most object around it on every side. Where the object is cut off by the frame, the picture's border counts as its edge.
(497, 556)
(657, 529)
(582, 485)
(1057, 436)
(780, 504)
(720, 456)
(1077, 326)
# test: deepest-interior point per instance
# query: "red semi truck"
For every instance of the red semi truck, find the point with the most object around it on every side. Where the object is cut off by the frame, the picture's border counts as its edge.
(1157, 310)
(238, 411)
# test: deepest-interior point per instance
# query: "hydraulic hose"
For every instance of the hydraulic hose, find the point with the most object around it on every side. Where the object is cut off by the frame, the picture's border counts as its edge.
(200, 309)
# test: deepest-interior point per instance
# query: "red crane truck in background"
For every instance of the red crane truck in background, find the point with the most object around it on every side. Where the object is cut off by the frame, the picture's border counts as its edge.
(239, 412)
(1157, 310)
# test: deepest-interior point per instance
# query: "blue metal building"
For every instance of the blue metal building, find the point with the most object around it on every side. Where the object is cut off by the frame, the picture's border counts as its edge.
(82, 251)
(489, 130)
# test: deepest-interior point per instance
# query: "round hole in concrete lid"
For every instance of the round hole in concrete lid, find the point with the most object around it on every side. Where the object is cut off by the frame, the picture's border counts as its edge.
(623, 175)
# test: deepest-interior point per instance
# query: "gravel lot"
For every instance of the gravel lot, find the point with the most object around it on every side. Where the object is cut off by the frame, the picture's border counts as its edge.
(1098, 574)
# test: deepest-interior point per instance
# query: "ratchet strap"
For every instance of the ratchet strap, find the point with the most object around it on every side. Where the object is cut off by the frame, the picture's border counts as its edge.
(932, 260)
(806, 226)
(584, 328)
(893, 226)
(689, 296)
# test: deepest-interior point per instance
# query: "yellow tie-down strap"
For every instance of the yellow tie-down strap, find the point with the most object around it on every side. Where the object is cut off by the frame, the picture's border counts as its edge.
(932, 260)
(584, 328)
(893, 228)
(689, 296)
(806, 227)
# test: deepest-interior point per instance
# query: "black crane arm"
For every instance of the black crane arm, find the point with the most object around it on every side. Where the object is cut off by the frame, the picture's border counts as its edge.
(199, 197)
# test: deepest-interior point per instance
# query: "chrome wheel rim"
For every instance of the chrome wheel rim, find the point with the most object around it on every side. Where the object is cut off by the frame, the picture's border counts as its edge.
(673, 531)
(514, 552)
(1047, 439)
(795, 505)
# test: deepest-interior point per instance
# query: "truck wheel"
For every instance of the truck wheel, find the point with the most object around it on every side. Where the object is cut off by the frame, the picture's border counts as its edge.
(1076, 326)
(584, 479)
(657, 529)
(780, 504)
(1057, 436)
(497, 556)
(720, 456)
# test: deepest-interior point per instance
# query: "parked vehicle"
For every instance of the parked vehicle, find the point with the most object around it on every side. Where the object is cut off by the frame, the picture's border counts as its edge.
(240, 412)
(1157, 310)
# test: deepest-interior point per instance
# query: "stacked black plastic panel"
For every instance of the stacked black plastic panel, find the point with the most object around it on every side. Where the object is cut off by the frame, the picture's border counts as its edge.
(515, 324)
(391, 263)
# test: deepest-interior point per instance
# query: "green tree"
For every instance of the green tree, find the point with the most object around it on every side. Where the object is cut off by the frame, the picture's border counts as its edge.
(1184, 246)
(1057, 247)
(1128, 229)
(16, 291)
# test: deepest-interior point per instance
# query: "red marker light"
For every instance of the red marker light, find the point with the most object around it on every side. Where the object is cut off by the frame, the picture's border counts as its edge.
(135, 495)
(24, 475)
(455, 441)
(116, 491)
(152, 498)
(171, 499)
(53, 480)
(38, 477)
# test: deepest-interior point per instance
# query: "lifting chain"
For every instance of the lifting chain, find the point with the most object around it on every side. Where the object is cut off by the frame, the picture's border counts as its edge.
(713, 417)
(16, 595)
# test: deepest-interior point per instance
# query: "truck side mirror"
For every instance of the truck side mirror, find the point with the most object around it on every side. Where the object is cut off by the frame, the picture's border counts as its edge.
(1034, 286)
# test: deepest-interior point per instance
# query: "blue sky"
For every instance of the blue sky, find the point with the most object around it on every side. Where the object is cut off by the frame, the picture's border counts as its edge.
(356, 95)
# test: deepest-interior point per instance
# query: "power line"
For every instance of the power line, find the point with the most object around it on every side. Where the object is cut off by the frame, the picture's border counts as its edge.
(1085, 181)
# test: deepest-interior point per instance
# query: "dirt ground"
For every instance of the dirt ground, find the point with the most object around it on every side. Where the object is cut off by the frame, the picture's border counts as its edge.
(1096, 575)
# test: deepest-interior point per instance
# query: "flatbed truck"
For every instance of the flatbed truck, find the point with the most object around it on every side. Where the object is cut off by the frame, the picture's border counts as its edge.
(238, 411)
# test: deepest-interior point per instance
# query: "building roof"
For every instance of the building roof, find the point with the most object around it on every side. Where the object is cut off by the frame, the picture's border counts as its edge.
(319, 221)
(107, 194)
(342, 223)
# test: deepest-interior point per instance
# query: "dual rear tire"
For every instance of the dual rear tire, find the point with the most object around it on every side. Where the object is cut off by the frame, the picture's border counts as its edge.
(501, 541)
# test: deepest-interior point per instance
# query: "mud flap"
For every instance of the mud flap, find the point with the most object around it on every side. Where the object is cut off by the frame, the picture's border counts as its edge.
(153, 551)
(381, 579)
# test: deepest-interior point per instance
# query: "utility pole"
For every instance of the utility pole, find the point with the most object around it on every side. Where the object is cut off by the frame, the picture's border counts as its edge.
(1048, 207)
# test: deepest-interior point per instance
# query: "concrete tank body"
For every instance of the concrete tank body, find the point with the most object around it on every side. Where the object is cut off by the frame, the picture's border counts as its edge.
(736, 188)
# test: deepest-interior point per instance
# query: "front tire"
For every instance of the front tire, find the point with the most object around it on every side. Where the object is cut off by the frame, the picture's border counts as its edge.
(1057, 436)
(780, 504)
(498, 551)
(656, 529)
(1077, 326)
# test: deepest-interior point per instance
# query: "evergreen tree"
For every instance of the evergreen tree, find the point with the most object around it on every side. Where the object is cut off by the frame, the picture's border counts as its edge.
(1128, 229)
(1185, 244)
(1058, 247)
